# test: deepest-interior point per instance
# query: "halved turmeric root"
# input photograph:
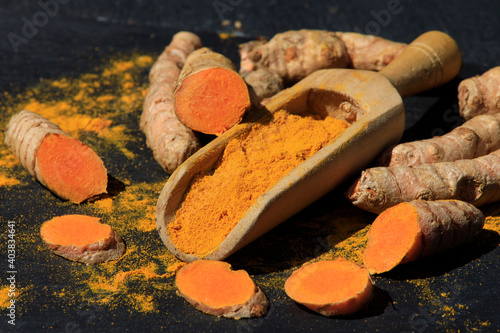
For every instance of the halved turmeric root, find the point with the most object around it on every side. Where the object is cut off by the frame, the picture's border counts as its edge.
(82, 238)
(412, 230)
(212, 287)
(210, 96)
(330, 287)
(66, 166)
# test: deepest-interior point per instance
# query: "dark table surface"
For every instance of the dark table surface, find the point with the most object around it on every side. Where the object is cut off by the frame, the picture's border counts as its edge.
(72, 38)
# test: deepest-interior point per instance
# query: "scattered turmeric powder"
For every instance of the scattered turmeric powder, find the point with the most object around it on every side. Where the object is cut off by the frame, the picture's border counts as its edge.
(331, 287)
(416, 229)
(250, 165)
(209, 95)
(480, 94)
(212, 287)
(477, 137)
(472, 180)
(66, 166)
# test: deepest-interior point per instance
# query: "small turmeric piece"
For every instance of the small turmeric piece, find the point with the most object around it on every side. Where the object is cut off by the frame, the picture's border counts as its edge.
(476, 181)
(82, 238)
(170, 140)
(209, 95)
(213, 287)
(416, 229)
(295, 54)
(480, 94)
(66, 166)
(331, 287)
(477, 137)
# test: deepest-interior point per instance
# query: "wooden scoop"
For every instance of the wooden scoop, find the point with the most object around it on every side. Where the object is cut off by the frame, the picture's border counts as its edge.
(370, 101)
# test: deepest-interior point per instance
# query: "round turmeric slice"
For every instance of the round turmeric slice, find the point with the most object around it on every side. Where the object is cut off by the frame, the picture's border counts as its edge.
(330, 287)
(214, 288)
(71, 169)
(82, 238)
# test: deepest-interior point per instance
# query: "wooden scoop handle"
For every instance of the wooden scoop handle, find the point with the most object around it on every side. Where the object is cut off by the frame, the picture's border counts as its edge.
(428, 62)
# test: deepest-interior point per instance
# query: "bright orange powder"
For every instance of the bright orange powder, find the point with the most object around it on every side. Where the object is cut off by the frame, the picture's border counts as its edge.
(249, 166)
(79, 230)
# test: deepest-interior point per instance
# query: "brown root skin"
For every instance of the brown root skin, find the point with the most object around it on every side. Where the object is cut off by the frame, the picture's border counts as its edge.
(477, 137)
(297, 53)
(170, 140)
(264, 84)
(476, 181)
(64, 165)
(480, 94)
(417, 229)
(321, 287)
(212, 287)
(369, 52)
(210, 96)
(107, 247)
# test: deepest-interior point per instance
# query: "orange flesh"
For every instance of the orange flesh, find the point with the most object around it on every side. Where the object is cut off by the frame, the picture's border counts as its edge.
(214, 284)
(78, 230)
(70, 168)
(394, 238)
(327, 282)
(212, 101)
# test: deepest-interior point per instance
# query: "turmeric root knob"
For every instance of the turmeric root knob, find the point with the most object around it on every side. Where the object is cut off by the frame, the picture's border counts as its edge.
(412, 230)
(330, 287)
(212, 287)
(480, 94)
(82, 238)
(210, 96)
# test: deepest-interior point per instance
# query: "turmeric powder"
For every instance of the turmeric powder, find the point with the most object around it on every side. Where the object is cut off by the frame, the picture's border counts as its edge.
(250, 165)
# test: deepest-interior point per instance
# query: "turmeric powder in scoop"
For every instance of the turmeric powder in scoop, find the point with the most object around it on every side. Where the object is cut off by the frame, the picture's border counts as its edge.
(250, 165)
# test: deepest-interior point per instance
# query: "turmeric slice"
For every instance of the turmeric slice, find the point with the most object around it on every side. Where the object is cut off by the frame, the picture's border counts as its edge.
(476, 181)
(212, 287)
(82, 238)
(210, 96)
(295, 54)
(476, 137)
(169, 139)
(331, 287)
(480, 94)
(66, 166)
(412, 230)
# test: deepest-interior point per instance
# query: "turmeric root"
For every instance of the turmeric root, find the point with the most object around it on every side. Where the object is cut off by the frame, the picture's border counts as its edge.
(476, 181)
(369, 52)
(212, 287)
(170, 140)
(477, 137)
(480, 94)
(264, 84)
(209, 95)
(64, 165)
(330, 287)
(297, 53)
(82, 238)
(416, 229)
